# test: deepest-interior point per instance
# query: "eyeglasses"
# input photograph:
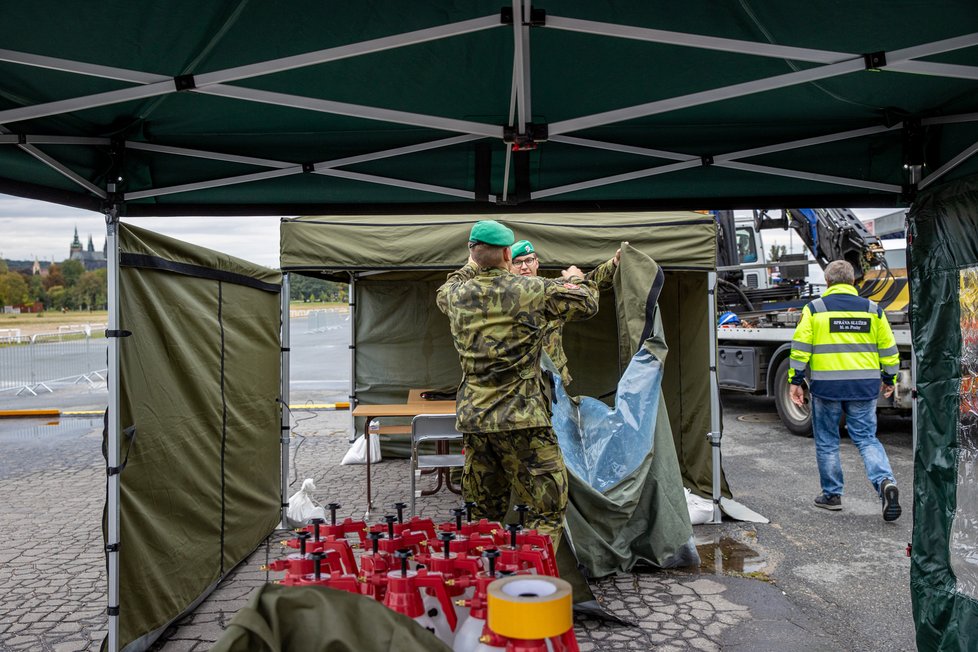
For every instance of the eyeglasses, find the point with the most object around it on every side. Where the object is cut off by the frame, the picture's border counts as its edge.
(529, 260)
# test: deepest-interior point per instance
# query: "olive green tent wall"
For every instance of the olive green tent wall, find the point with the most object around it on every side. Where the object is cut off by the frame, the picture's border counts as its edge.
(403, 341)
(199, 382)
(944, 320)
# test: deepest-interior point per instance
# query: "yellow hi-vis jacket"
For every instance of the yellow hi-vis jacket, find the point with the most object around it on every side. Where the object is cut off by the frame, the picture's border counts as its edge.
(844, 340)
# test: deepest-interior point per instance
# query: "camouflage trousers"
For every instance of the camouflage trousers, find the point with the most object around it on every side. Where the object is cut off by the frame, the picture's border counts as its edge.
(525, 465)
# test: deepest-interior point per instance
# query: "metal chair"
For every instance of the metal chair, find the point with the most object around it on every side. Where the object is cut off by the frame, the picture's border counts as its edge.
(439, 429)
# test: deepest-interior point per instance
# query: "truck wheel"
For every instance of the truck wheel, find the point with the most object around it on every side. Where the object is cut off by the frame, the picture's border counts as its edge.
(798, 420)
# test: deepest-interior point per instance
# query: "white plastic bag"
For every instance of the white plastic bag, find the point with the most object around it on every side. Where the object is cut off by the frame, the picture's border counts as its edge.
(700, 509)
(302, 507)
(358, 451)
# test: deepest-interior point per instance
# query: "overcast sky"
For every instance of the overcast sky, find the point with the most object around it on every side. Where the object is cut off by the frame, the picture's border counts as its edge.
(30, 228)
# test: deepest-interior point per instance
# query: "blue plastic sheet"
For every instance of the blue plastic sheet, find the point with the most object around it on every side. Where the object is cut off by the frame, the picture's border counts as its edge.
(603, 445)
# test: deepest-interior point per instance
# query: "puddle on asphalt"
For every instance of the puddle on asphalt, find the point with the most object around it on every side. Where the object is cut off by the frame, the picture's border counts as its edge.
(720, 555)
(25, 430)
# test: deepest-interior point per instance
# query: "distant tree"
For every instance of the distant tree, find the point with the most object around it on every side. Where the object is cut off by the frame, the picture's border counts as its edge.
(35, 288)
(90, 291)
(72, 271)
(306, 288)
(777, 252)
(56, 297)
(13, 289)
(3, 266)
(54, 277)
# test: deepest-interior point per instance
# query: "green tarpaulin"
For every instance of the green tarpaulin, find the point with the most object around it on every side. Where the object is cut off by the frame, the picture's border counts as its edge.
(318, 619)
(627, 505)
(199, 383)
(944, 320)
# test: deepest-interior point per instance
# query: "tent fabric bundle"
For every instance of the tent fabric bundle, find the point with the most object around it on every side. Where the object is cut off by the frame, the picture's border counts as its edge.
(944, 293)
(199, 381)
(318, 619)
(402, 340)
(627, 504)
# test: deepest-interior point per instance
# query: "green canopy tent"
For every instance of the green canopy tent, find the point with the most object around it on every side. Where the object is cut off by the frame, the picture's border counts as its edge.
(140, 108)
(944, 317)
(189, 108)
(400, 340)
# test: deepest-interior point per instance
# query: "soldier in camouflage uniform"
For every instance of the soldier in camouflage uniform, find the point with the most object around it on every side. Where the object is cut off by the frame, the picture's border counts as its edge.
(498, 320)
(527, 263)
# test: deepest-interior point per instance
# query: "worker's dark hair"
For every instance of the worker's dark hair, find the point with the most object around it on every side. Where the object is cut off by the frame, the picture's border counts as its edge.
(487, 255)
(839, 271)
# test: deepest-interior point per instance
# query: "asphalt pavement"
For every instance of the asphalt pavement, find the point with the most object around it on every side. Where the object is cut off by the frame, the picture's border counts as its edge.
(808, 580)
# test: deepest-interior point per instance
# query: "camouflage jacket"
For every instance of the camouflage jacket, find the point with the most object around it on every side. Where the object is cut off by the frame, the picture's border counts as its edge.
(553, 339)
(498, 320)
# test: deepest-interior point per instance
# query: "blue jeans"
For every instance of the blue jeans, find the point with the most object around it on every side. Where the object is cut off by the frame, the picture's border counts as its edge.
(861, 423)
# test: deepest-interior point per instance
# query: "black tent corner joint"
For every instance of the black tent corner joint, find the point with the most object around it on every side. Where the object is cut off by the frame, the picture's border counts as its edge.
(874, 61)
(537, 17)
(534, 134)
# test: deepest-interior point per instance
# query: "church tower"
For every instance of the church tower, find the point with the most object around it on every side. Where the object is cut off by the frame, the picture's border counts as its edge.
(91, 246)
(76, 245)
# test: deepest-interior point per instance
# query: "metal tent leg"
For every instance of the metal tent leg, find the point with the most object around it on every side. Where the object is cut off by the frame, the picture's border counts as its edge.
(716, 428)
(112, 448)
(285, 431)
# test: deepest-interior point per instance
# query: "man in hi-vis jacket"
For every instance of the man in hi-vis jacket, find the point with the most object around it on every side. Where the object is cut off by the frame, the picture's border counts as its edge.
(846, 344)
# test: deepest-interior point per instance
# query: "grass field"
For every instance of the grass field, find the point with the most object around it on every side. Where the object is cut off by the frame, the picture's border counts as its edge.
(318, 305)
(49, 321)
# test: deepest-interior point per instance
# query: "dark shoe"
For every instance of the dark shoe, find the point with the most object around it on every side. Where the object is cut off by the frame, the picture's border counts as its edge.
(829, 502)
(890, 496)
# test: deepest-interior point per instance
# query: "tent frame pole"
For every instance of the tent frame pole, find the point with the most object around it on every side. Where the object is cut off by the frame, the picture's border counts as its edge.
(913, 398)
(285, 433)
(112, 447)
(716, 427)
(353, 359)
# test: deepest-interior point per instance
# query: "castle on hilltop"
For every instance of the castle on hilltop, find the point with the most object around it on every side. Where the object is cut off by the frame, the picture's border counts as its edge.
(88, 257)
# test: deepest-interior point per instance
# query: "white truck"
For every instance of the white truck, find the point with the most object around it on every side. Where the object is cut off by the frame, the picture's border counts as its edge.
(753, 346)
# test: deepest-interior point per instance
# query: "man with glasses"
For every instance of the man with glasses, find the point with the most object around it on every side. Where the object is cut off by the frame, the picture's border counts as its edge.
(525, 262)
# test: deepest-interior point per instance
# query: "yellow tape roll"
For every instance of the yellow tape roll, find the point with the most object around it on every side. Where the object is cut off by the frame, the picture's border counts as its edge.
(530, 606)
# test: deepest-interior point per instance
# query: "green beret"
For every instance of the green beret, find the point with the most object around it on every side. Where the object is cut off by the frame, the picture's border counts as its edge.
(491, 232)
(522, 248)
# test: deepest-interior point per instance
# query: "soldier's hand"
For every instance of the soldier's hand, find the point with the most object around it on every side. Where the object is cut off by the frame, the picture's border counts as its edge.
(888, 390)
(571, 271)
(797, 395)
(617, 257)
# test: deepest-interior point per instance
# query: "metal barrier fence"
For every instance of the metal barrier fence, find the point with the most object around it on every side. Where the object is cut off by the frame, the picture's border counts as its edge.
(41, 362)
(320, 321)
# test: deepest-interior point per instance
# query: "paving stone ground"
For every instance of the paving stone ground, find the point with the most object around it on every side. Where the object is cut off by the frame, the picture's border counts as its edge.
(52, 582)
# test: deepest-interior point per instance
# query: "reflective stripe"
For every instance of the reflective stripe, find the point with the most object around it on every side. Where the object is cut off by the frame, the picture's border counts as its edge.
(889, 351)
(818, 305)
(867, 347)
(891, 370)
(846, 374)
(873, 308)
(795, 364)
(801, 346)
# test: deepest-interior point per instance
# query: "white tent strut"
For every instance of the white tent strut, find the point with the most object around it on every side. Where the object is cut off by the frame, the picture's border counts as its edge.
(112, 444)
